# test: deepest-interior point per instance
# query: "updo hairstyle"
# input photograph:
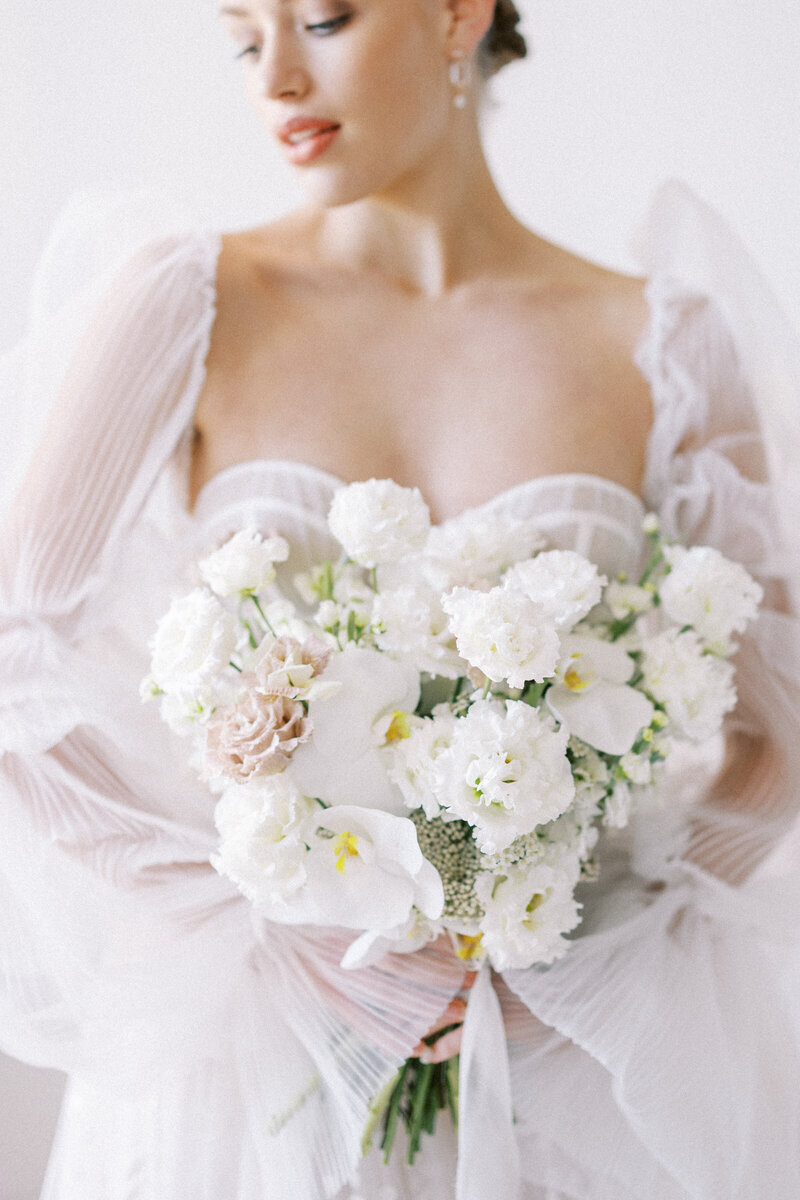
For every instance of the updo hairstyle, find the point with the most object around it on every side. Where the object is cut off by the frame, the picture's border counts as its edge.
(502, 42)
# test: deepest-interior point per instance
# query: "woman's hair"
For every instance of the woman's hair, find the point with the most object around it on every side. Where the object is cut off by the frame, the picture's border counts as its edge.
(503, 41)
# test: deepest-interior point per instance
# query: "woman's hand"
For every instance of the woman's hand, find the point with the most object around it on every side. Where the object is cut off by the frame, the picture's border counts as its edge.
(448, 1044)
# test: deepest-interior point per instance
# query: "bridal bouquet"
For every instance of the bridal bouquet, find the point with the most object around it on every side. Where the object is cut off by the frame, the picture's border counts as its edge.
(423, 736)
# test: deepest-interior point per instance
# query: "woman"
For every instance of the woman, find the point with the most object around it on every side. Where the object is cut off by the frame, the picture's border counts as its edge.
(401, 324)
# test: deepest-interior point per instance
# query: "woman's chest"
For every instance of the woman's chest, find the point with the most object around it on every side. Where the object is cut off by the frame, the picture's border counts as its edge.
(463, 400)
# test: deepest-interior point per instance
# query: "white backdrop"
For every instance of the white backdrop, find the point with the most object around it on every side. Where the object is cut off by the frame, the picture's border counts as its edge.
(617, 95)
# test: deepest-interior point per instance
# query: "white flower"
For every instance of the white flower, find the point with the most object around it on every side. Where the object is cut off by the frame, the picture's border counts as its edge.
(410, 935)
(565, 584)
(618, 805)
(704, 589)
(411, 624)
(365, 870)
(378, 521)
(344, 762)
(637, 767)
(194, 640)
(475, 548)
(626, 598)
(244, 564)
(695, 688)
(592, 698)
(264, 827)
(414, 765)
(527, 912)
(503, 634)
(505, 772)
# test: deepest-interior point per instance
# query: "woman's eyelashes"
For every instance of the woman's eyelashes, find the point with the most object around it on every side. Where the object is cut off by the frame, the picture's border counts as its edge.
(318, 29)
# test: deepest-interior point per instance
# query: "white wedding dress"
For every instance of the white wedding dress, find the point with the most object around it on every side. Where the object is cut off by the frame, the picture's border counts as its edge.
(216, 1057)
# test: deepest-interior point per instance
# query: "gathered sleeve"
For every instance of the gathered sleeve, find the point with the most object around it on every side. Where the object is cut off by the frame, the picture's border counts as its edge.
(681, 988)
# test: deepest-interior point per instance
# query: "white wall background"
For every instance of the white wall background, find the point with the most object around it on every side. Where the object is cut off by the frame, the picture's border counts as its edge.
(618, 95)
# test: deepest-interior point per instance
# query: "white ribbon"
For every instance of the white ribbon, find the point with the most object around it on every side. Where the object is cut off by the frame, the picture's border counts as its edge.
(488, 1158)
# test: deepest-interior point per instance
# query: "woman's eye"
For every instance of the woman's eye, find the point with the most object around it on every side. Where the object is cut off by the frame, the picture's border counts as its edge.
(324, 28)
(247, 50)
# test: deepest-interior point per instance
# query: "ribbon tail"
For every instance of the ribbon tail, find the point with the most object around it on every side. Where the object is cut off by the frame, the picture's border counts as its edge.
(488, 1157)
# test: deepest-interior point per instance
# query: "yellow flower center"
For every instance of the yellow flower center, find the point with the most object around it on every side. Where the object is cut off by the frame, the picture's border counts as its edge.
(574, 680)
(469, 947)
(345, 845)
(399, 729)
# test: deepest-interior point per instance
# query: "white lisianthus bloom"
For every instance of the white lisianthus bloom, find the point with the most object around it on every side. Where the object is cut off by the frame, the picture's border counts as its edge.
(476, 548)
(503, 633)
(194, 640)
(264, 827)
(623, 599)
(412, 934)
(527, 912)
(695, 688)
(618, 805)
(414, 760)
(505, 772)
(704, 589)
(245, 564)
(637, 767)
(410, 624)
(365, 870)
(591, 696)
(565, 584)
(345, 761)
(378, 521)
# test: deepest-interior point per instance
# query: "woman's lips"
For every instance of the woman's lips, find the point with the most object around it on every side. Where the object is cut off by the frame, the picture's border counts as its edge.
(306, 138)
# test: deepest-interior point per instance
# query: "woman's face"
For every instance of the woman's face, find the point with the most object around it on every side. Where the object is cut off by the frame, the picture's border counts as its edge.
(356, 92)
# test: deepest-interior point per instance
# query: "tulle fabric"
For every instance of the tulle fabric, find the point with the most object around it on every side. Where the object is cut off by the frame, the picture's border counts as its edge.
(216, 1056)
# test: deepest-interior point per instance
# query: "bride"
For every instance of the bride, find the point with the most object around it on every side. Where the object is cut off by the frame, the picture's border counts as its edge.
(401, 324)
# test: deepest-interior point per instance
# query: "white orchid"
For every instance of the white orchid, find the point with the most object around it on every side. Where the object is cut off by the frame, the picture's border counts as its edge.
(343, 762)
(591, 696)
(365, 871)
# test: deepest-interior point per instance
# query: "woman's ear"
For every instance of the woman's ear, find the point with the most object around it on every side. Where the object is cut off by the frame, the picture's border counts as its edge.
(469, 21)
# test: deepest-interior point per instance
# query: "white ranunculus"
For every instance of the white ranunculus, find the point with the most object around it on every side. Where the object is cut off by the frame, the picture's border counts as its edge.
(503, 633)
(505, 772)
(344, 762)
(193, 641)
(378, 521)
(245, 564)
(695, 688)
(592, 698)
(264, 827)
(414, 760)
(365, 870)
(411, 624)
(704, 589)
(527, 912)
(565, 584)
(410, 935)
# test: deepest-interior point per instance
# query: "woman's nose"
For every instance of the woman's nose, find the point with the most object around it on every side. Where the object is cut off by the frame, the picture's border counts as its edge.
(282, 72)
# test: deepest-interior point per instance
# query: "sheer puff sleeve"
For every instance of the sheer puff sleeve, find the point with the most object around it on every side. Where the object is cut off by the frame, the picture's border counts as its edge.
(125, 959)
(679, 997)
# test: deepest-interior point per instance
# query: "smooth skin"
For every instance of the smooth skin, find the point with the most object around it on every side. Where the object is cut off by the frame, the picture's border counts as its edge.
(403, 322)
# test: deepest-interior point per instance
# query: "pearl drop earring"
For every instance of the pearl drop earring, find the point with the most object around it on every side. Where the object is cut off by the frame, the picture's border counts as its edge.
(459, 78)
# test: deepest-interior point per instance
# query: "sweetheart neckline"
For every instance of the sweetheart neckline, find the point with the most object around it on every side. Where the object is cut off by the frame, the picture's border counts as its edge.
(335, 482)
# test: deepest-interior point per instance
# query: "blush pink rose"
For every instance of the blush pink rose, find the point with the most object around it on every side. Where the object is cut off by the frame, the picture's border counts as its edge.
(255, 737)
(289, 666)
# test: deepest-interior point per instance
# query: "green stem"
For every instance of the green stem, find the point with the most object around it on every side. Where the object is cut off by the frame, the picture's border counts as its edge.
(393, 1112)
(422, 1086)
(262, 614)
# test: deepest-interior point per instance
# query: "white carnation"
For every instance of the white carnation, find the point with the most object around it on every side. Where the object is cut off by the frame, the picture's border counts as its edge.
(526, 914)
(194, 640)
(626, 598)
(564, 584)
(704, 589)
(411, 624)
(378, 521)
(695, 688)
(475, 548)
(245, 564)
(505, 772)
(264, 827)
(503, 633)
